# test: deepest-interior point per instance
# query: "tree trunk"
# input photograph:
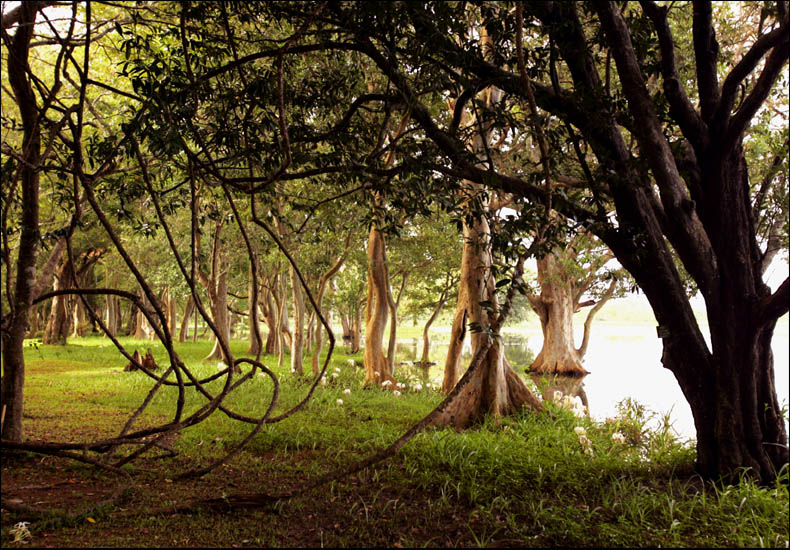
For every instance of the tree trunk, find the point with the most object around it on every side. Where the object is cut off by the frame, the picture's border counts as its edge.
(189, 309)
(345, 322)
(297, 334)
(78, 318)
(113, 315)
(470, 294)
(555, 307)
(324, 282)
(495, 388)
(376, 366)
(356, 331)
(283, 330)
(394, 305)
(252, 314)
(270, 315)
(221, 319)
(58, 323)
(172, 317)
(142, 328)
(13, 336)
(426, 340)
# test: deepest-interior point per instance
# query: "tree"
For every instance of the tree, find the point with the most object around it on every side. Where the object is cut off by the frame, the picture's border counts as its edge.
(565, 277)
(682, 186)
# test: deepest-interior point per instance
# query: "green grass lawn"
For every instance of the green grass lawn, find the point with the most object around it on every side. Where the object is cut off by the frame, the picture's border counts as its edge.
(525, 481)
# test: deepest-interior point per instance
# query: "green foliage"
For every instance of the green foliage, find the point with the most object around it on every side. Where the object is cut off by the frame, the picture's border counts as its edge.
(524, 479)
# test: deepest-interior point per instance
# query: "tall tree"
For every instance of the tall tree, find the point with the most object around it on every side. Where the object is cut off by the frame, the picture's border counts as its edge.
(686, 188)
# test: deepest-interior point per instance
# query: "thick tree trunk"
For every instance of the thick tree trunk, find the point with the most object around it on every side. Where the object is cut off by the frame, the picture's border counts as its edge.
(470, 294)
(495, 389)
(555, 307)
(376, 366)
(13, 337)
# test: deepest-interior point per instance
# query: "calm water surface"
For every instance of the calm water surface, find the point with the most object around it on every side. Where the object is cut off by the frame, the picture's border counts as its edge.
(624, 360)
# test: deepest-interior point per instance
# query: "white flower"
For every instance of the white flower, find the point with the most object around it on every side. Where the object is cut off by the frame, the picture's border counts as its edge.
(337, 370)
(396, 393)
(340, 402)
(557, 396)
(586, 445)
(386, 383)
(579, 430)
(351, 363)
(399, 385)
(347, 391)
(20, 532)
(377, 373)
(417, 387)
(323, 381)
(221, 366)
(335, 375)
(618, 437)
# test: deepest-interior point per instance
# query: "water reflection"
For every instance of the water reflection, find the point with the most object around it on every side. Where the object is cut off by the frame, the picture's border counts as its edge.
(624, 361)
(517, 351)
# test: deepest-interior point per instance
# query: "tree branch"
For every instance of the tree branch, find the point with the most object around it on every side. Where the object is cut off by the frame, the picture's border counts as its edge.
(775, 305)
(706, 52)
(681, 108)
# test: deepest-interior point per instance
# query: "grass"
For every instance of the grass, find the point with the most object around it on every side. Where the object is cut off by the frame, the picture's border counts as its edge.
(523, 481)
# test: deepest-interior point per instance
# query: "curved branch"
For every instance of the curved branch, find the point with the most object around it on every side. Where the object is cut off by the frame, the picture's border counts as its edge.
(775, 305)
(590, 314)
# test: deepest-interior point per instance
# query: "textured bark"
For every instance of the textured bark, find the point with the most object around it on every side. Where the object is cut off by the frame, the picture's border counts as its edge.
(376, 366)
(470, 294)
(555, 307)
(13, 335)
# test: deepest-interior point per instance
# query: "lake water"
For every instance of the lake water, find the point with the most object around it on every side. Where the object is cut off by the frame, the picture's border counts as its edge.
(624, 360)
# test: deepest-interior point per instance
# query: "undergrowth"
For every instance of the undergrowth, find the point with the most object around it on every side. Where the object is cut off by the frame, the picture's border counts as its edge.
(529, 480)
